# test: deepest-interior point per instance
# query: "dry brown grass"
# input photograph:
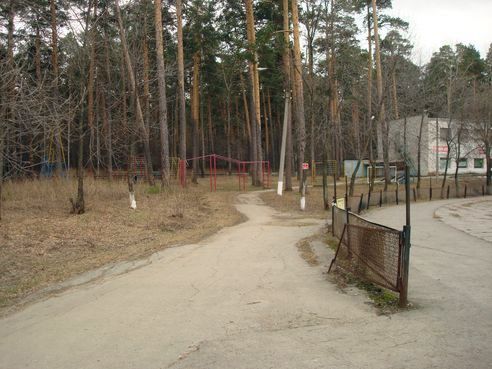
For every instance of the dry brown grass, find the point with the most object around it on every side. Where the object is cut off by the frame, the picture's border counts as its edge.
(290, 202)
(42, 243)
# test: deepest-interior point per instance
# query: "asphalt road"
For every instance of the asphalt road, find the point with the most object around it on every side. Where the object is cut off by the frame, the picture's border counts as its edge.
(244, 298)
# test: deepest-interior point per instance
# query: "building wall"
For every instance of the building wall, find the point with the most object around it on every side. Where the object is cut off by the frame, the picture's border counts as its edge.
(433, 146)
(397, 140)
(469, 150)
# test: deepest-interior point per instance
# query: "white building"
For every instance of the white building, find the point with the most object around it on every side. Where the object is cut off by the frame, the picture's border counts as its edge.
(438, 135)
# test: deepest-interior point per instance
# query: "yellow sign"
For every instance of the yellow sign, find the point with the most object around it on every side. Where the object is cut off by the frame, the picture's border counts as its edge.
(341, 203)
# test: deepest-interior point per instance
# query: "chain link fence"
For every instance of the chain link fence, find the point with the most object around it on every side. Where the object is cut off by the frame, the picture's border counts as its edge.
(371, 251)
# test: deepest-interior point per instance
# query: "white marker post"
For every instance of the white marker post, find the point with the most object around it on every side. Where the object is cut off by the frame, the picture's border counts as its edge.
(305, 168)
(280, 185)
(133, 203)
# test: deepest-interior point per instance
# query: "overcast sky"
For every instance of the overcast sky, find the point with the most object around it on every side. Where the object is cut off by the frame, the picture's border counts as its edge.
(434, 23)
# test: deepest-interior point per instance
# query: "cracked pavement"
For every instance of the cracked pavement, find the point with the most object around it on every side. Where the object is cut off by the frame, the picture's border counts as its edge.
(244, 298)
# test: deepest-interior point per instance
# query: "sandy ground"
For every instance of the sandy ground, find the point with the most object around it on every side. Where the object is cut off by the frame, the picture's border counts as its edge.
(244, 298)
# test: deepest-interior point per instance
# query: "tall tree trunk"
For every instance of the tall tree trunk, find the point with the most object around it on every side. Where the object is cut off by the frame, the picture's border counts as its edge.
(195, 112)
(370, 118)
(396, 110)
(255, 91)
(379, 84)
(301, 124)
(448, 153)
(107, 107)
(458, 154)
(181, 95)
(161, 78)
(2, 140)
(138, 107)
(210, 124)
(310, 54)
(287, 86)
(249, 127)
(146, 67)
(272, 131)
(247, 122)
(265, 120)
(90, 85)
(229, 132)
(55, 76)
(488, 166)
(78, 206)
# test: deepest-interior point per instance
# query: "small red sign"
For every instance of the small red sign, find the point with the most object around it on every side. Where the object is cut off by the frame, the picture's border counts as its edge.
(305, 166)
(440, 149)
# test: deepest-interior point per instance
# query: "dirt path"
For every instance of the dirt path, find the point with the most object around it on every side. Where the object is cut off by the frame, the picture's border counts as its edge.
(244, 298)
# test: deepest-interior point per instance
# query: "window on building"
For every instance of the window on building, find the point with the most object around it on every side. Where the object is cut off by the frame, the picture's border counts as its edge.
(463, 163)
(478, 163)
(442, 163)
(444, 133)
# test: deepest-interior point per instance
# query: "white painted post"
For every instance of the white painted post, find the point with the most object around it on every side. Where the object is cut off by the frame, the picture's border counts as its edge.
(280, 184)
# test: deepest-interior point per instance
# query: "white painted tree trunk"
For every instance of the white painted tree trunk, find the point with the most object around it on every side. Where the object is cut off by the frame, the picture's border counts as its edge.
(133, 203)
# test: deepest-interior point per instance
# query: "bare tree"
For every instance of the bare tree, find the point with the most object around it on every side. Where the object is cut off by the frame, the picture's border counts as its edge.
(161, 78)
(299, 90)
(138, 107)
(181, 95)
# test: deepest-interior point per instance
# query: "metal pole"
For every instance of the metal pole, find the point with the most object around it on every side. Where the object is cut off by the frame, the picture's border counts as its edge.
(406, 233)
(210, 172)
(325, 203)
(215, 173)
(335, 183)
(406, 245)
(239, 174)
(284, 140)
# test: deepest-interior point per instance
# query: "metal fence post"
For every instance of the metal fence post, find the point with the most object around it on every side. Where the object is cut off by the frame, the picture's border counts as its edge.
(406, 243)
(333, 219)
(347, 221)
(403, 301)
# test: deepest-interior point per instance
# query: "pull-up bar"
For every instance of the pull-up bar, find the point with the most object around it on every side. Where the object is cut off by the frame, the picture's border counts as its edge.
(241, 170)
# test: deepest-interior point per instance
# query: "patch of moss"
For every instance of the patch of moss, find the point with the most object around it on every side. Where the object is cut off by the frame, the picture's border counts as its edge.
(383, 299)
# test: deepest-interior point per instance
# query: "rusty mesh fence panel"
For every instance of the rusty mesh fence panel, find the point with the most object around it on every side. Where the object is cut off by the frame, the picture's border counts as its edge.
(371, 251)
(375, 254)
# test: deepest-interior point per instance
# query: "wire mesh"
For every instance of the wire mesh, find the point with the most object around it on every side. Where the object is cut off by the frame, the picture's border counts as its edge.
(372, 251)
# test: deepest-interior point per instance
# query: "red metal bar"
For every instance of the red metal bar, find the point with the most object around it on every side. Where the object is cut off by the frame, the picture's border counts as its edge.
(269, 174)
(210, 171)
(239, 175)
(182, 172)
(263, 173)
(215, 172)
(243, 175)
